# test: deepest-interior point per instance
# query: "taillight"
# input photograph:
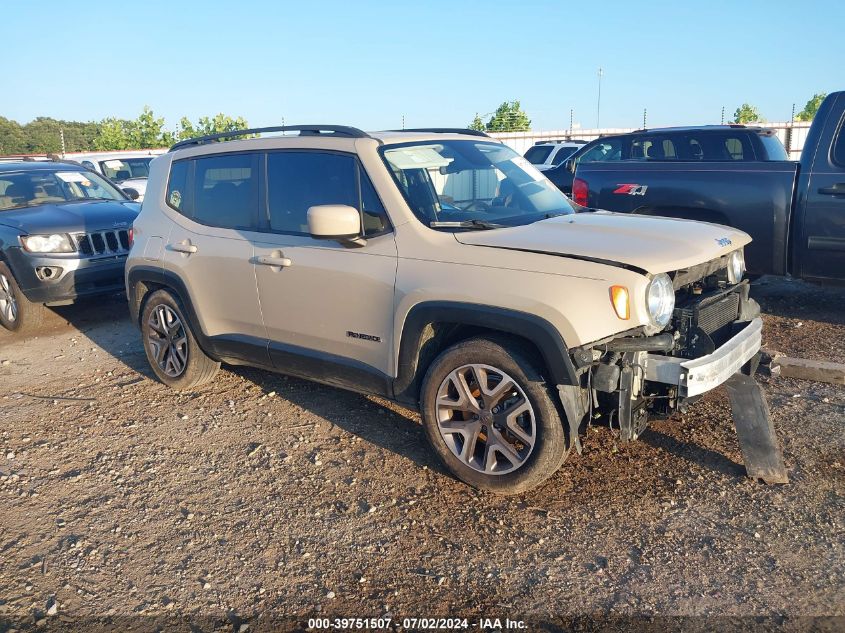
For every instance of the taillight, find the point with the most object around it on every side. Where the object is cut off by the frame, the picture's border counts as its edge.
(580, 191)
(131, 237)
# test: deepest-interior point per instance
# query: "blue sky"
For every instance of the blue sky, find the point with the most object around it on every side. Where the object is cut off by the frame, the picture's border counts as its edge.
(435, 62)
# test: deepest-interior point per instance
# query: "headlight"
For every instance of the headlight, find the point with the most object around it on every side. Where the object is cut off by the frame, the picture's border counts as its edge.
(660, 300)
(736, 266)
(56, 243)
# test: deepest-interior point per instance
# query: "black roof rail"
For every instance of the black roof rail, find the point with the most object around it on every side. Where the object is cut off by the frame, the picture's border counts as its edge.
(304, 130)
(445, 130)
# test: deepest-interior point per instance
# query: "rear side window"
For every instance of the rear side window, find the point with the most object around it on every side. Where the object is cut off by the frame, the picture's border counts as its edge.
(562, 154)
(537, 154)
(610, 149)
(177, 187)
(653, 149)
(226, 191)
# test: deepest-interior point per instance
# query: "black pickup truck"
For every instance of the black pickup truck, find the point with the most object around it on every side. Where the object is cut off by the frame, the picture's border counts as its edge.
(794, 211)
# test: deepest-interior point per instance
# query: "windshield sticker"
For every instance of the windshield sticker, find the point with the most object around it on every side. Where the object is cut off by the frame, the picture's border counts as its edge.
(114, 164)
(417, 158)
(73, 176)
(175, 198)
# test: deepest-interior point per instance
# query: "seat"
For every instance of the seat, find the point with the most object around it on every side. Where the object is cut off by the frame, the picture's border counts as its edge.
(655, 151)
(123, 174)
(20, 193)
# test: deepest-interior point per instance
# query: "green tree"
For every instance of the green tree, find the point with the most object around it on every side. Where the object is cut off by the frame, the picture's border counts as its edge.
(11, 137)
(509, 117)
(210, 125)
(114, 134)
(477, 123)
(147, 132)
(747, 113)
(809, 111)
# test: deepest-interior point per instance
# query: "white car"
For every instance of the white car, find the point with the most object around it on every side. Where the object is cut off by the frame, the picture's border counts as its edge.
(129, 169)
(547, 154)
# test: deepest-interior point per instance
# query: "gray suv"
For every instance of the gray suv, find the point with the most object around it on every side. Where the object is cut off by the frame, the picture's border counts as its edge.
(439, 269)
(65, 233)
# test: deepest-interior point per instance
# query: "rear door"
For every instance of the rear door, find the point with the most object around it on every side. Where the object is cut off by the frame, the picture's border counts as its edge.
(329, 311)
(210, 249)
(821, 243)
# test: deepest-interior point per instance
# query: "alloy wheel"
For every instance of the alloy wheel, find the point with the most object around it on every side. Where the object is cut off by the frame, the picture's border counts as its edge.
(8, 303)
(485, 419)
(168, 341)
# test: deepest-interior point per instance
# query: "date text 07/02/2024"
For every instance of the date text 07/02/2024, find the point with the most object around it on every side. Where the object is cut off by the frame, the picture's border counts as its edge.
(417, 624)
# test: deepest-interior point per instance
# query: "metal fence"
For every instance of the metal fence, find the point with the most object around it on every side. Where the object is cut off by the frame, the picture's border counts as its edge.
(792, 135)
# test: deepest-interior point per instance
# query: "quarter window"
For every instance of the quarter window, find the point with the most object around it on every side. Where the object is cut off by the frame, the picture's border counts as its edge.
(177, 187)
(226, 191)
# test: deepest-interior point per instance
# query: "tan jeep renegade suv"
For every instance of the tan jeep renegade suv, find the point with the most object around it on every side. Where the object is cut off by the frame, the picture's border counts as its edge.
(440, 269)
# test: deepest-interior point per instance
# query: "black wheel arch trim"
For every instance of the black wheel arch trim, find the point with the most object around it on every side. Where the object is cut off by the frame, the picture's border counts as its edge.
(537, 330)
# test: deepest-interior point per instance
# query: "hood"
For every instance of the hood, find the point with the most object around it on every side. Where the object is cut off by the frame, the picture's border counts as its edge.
(138, 184)
(72, 217)
(651, 244)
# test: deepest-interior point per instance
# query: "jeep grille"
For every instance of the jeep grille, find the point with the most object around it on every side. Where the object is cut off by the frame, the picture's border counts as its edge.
(102, 242)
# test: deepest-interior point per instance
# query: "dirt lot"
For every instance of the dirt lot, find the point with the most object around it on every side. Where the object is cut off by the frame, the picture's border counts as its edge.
(261, 497)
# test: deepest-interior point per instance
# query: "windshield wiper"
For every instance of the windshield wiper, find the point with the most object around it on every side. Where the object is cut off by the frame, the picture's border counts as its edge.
(466, 224)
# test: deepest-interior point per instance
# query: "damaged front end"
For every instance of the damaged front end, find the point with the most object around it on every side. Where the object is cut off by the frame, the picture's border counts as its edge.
(713, 338)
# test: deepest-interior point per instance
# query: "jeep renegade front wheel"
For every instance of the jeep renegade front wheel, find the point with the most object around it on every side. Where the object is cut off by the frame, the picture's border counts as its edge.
(172, 349)
(17, 313)
(490, 417)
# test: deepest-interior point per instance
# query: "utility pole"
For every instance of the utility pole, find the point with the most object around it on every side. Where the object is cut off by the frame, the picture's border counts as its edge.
(403, 121)
(62, 134)
(571, 119)
(598, 104)
(645, 113)
(723, 115)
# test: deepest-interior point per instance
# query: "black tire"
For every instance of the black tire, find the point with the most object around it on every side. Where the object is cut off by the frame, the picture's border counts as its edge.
(550, 447)
(197, 368)
(27, 317)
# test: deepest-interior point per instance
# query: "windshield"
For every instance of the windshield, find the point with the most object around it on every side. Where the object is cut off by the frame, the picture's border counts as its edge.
(125, 168)
(474, 182)
(32, 188)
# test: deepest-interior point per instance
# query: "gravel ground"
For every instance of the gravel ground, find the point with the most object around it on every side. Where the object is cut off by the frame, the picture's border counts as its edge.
(262, 500)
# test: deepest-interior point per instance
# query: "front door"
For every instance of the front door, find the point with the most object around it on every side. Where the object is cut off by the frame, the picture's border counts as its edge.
(327, 305)
(822, 242)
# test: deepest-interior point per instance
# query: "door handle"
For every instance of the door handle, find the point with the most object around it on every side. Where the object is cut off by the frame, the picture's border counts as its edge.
(188, 249)
(279, 262)
(836, 190)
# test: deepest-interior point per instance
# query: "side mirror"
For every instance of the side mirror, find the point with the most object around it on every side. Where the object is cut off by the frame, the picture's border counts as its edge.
(334, 222)
(132, 193)
(569, 165)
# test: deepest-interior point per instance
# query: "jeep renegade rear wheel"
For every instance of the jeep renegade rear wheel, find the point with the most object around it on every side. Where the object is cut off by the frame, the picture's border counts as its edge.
(490, 417)
(172, 350)
(17, 313)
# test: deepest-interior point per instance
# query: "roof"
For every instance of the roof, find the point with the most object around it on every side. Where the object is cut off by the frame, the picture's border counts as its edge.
(695, 128)
(31, 165)
(322, 134)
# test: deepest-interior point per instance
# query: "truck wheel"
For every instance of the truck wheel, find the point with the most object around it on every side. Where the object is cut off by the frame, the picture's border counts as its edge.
(490, 417)
(171, 348)
(17, 313)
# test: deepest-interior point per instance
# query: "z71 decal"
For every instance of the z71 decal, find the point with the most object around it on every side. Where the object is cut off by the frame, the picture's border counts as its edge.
(631, 189)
